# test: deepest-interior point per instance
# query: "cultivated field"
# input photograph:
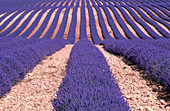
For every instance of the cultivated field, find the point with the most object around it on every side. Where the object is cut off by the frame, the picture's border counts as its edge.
(84, 55)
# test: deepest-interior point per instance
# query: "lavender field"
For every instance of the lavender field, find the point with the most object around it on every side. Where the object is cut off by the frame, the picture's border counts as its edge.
(87, 35)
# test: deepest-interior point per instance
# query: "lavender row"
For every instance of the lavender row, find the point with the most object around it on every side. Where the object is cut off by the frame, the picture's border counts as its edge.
(126, 30)
(83, 31)
(88, 84)
(128, 33)
(105, 32)
(151, 32)
(9, 29)
(134, 26)
(25, 23)
(162, 9)
(53, 24)
(114, 28)
(10, 10)
(22, 27)
(95, 38)
(35, 23)
(166, 6)
(152, 58)
(155, 17)
(62, 28)
(14, 7)
(7, 10)
(128, 3)
(159, 28)
(45, 22)
(72, 30)
(150, 5)
(145, 1)
(10, 19)
(8, 43)
(138, 31)
(19, 3)
(160, 43)
(6, 40)
(93, 30)
(17, 61)
(158, 13)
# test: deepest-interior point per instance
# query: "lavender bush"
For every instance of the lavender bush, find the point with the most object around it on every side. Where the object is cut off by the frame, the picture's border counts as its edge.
(149, 57)
(88, 84)
(17, 61)
(5, 84)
